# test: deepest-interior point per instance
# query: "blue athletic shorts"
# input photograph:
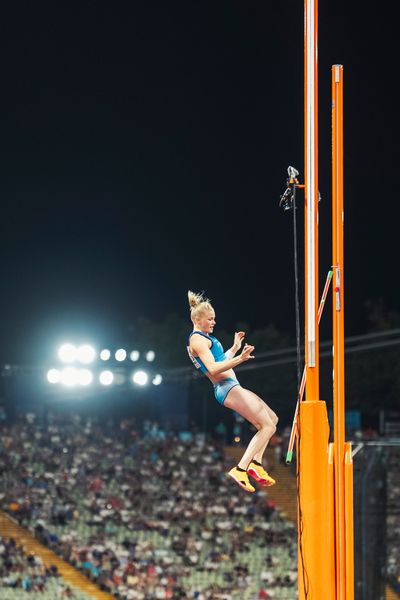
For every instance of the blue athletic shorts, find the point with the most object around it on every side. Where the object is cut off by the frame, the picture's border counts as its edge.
(222, 388)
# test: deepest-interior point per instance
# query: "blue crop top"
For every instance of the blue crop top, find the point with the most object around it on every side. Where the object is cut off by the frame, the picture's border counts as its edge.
(216, 350)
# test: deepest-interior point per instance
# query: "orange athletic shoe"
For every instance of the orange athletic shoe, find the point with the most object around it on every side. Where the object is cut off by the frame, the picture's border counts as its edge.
(260, 475)
(241, 479)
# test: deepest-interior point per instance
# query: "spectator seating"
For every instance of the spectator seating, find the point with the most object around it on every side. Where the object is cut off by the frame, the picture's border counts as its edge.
(145, 514)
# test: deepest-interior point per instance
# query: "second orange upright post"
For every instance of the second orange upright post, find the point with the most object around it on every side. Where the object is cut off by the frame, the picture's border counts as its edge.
(342, 452)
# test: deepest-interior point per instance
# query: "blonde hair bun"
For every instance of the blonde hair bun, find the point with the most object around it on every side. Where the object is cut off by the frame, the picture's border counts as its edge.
(196, 299)
(198, 304)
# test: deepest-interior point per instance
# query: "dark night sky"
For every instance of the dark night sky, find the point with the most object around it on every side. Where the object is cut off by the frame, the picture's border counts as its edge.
(144, 146)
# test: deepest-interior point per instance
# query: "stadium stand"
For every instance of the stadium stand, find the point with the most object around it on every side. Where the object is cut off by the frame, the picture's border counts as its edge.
(23, 573)
(145, 515)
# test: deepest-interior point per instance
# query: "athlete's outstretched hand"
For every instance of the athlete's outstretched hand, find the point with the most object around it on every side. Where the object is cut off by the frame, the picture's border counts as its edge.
(246, 352)
(239, 337)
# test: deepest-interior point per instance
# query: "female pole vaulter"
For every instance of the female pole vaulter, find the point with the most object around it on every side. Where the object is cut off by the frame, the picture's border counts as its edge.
(207, 354)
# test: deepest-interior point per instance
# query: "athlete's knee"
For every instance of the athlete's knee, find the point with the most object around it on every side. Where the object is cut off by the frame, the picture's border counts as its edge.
(273, 418)
(268, 426)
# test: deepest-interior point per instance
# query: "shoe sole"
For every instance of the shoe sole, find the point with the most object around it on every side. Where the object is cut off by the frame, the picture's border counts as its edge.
(260, 480)
(241, 484)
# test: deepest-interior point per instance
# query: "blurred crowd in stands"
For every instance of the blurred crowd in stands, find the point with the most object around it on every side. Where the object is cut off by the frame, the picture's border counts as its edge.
(18, 570)
(393, 519)
(25, 571)
(148, 513)
(144, 512)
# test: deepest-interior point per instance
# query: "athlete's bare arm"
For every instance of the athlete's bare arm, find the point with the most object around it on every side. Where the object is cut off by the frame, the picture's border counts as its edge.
(237, 344)
(200, 347)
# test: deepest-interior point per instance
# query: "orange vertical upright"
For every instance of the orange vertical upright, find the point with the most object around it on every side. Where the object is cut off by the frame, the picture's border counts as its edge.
(343, 468)
(311, 197)
(338, 325)
(315, 544)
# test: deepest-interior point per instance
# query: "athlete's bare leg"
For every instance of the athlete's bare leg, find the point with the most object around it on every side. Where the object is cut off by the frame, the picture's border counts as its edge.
(274, 418)
(252, 408)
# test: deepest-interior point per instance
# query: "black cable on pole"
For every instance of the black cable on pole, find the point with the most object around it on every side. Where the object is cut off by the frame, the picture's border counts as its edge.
(296, 296)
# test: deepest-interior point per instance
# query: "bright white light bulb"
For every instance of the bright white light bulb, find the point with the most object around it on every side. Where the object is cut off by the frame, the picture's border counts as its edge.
(85, 377)
(140, 378)
(157, 379)
(134, 355)
(105, 354)
(106, 378)
(120, 355)
(69, 376)
(86, 354)
(54, 376)
(150, 355)
(67, 353)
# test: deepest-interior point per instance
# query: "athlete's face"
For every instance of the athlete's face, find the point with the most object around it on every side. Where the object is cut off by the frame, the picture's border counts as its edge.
(206, 322)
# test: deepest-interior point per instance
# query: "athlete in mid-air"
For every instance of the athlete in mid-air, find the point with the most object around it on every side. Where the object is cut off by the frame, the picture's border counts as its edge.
(207, 354)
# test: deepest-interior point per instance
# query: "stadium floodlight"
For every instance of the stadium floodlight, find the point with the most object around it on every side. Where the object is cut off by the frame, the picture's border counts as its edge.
(86, 354)
(69, 376)
(150, 355)
(140, 378)
(120, 355)
(54, 376)
(67, 353)
(105, 354)
(157, 379)
(106, 377)
(85, 377)
(134, 355)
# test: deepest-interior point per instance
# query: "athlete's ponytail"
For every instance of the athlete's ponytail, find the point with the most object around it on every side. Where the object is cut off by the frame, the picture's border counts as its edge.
(198, 304)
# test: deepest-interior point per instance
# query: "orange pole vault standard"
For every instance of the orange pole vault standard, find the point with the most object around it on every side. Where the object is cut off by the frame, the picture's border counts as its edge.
(342, 452)
(311, 197)
(316, 572)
